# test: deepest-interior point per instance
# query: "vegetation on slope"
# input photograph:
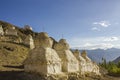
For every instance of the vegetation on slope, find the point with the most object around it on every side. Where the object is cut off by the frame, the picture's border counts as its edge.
(11, 53)
(113, 68)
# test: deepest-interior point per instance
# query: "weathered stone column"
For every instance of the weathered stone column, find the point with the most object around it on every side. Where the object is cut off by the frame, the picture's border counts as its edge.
(69, 62)
(1, 30)
(82, 62)
(43, 59)
(29, 42)
(90, 66)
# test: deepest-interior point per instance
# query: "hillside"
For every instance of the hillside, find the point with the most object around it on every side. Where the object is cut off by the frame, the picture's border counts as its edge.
(13, 52)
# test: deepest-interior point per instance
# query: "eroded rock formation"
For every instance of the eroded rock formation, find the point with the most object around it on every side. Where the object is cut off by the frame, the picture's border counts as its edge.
(48, 59)
(1, 31)
(69, 62)
(90, 66)
(11, 31)
(82, 62)
(43, 59)
(29, 42)
(43, 40)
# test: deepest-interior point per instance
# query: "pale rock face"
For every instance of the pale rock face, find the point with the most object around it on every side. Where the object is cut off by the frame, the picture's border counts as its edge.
(11, 31)
(90, 66)
(13, 28)
(1, 30)
(96, 69)
(29, 42)
(63, 45)
(69, 62)
(82, 62)
(43, 59)
(84, 55)
(85, 63)
(44, 40)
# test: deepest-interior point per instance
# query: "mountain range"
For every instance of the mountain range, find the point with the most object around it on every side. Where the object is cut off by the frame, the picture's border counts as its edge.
(108, 54)
(117, 60)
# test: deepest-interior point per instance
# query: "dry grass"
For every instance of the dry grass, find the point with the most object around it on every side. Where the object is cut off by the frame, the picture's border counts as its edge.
(12, 53)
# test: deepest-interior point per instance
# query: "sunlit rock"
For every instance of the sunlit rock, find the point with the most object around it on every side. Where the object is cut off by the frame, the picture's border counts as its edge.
(1, 31)
(43, 59)
(82, 62)
(43, 40)
(11, 31)
(29, 42)
(91, 67)
(69, 62)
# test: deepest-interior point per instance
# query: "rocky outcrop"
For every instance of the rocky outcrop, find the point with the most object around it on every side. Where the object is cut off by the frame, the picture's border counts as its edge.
(47, 55)
(43, 40)
(43, 59)
(48, 59)
(1, 31)
(69, 62)
(29, 42)
(82, 62)
(90, 66)
(86, 66)
(11, 31)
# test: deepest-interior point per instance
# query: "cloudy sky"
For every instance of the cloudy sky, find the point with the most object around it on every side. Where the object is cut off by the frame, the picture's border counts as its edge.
(86, 24)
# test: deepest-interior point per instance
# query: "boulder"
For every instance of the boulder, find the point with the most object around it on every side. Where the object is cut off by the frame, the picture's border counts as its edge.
(69, 62)
(44, 40)
(43, 59)
(82, 62)
(11, 31)
(84, 55)
(91, 67)
(29, 42)
(62, 45)
(1, 31)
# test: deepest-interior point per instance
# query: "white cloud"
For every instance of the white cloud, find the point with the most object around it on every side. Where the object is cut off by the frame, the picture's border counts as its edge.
(95, 29)
(111, 39)
(92, 46)
(87, 44)
(95, 42)
(102, 23)
(99, 45)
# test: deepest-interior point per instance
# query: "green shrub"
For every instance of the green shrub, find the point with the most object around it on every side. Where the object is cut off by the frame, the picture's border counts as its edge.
(112, 68)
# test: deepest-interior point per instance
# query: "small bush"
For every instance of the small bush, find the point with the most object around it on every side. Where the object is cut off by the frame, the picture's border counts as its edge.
(112, 68)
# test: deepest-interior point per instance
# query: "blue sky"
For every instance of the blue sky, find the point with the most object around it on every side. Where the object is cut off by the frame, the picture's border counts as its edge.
(86, 24)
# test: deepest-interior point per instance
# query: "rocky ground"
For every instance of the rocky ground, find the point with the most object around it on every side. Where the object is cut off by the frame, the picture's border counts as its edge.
(16, 72)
